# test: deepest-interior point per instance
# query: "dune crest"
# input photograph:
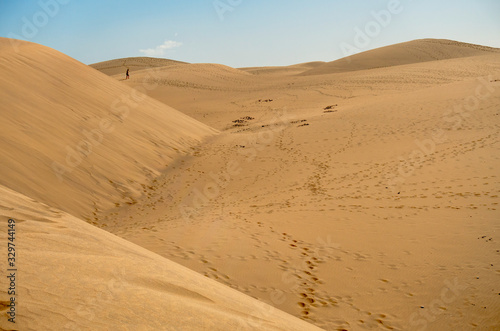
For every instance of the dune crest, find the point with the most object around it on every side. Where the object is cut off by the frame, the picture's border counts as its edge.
(417, 51)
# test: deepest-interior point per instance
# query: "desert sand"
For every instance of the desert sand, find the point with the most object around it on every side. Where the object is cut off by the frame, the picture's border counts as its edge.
(113, 67)
(355, 194)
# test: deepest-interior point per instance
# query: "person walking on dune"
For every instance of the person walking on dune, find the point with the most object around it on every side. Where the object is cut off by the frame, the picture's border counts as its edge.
(127, 75)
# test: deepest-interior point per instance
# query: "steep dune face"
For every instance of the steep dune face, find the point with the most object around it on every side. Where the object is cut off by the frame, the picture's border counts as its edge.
(405, 53)
(73, 276)
(78, 140)
(119, 66)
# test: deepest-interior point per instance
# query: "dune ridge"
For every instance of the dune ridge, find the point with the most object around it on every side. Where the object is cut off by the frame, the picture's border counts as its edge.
(416, 51)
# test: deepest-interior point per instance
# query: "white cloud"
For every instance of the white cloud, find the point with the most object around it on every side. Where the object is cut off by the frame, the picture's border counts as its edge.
(160, 50)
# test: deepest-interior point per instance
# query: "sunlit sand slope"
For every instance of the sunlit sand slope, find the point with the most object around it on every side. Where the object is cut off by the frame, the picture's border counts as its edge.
(74, 276)
(405, 53)
(77, 139)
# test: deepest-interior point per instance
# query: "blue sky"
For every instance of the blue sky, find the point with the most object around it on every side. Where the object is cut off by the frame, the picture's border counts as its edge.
(242, 33)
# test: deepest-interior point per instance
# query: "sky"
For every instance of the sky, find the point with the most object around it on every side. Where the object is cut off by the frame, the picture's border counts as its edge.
(243, 33)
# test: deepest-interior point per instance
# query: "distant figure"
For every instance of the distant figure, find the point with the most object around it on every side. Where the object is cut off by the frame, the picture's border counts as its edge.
(127, 77)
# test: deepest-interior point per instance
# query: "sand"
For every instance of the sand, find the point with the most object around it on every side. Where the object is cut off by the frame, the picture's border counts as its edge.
(352, 195)
(72, 275)
(120, 66)
(417, 51)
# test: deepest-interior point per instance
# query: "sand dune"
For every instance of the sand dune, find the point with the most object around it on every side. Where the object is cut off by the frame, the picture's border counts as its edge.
(78, 140)
(356, 196)
(73, 276)
(405, 53)
(119, 66)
